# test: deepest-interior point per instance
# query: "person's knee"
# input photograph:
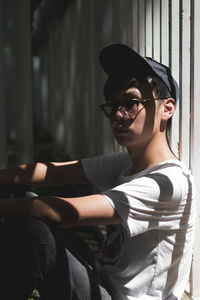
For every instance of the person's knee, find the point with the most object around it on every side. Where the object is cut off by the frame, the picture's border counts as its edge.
(30, 238)
(29, 227)
(33, 229)
(25, 229)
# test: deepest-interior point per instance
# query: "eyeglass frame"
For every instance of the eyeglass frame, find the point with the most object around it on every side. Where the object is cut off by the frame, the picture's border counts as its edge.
(126, 114)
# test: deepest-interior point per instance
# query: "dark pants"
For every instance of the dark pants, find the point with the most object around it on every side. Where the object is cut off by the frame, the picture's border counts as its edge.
(55, 262)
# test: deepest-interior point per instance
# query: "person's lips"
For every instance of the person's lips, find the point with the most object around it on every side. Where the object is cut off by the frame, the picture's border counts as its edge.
(118, 129)
(121, 130)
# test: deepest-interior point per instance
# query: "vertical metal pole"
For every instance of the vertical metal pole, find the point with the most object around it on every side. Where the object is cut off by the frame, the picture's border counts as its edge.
(148, 29)
(165, 32)
(24, 141)
(3, 112)
(135, 25)
(174, 64)
(156, 30)
(195, 147)
(185, 83)
(141, 29)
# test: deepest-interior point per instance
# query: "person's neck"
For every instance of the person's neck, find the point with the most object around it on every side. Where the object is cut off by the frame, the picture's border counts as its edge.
(150, 154)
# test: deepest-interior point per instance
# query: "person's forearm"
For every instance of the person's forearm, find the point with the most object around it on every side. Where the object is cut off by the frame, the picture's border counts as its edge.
(43, 174)
(23, 175)
(63, 212)
(48, 209)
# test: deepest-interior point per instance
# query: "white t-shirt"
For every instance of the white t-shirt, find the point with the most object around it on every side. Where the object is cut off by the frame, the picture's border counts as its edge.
(148, 256)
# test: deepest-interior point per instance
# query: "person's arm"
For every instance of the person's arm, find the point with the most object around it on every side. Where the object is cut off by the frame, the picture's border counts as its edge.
(63, 212)
(44, 174)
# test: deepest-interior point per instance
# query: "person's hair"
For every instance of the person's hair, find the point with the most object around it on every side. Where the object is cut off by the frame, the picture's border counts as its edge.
(112, 86)
(157, 85)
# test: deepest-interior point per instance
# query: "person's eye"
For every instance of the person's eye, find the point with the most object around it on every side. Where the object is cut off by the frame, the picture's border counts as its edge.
(130, 104)
(112, 106)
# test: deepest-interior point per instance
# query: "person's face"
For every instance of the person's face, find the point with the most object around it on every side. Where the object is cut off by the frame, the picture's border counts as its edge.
(139, 127)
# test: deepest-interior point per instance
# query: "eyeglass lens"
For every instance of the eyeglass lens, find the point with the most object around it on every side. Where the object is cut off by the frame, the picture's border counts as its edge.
(127, 109)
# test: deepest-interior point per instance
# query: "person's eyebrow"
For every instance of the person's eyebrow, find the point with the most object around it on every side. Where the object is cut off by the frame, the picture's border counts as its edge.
(126, 95)
(131, 95)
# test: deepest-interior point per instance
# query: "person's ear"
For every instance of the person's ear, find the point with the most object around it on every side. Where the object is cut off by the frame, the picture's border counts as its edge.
(169, 106)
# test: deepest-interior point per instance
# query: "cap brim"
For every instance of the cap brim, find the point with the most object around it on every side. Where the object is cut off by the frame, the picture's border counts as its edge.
(120, 61)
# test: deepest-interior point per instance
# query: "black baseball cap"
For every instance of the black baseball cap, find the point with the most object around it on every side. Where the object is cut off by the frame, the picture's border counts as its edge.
(120, 62)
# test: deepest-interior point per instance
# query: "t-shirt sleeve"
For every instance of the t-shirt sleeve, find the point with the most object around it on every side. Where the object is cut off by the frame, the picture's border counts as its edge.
(103, 171)
(150, 202)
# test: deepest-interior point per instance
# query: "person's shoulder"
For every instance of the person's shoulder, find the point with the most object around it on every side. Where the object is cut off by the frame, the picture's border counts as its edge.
(177, 174)
(174, 166)
(172, 170)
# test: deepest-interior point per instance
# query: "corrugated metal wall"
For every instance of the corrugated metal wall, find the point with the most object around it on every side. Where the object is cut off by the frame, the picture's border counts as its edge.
(68, 81)
(16, 132)
(165, 30)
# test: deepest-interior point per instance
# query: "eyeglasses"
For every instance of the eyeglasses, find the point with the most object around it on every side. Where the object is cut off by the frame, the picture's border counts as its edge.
(127, 109)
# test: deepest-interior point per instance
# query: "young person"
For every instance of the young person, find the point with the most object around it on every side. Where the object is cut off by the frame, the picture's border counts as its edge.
(145, 199)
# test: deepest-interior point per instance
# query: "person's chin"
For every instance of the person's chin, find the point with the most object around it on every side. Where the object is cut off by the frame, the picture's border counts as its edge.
(122, 138)
(121, 132)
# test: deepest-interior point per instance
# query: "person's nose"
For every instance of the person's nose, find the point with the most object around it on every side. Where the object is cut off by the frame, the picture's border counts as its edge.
(121, 113)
